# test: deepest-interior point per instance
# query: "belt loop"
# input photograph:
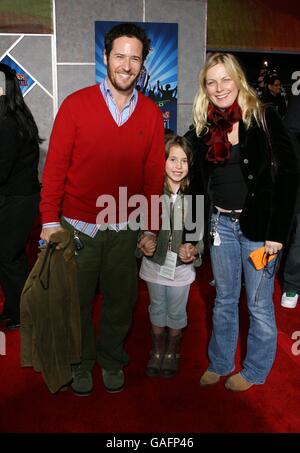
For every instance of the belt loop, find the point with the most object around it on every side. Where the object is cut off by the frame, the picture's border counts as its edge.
(234, 216)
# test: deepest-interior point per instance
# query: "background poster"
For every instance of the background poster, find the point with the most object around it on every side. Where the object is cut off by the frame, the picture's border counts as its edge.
(159, 77)
(25, 81)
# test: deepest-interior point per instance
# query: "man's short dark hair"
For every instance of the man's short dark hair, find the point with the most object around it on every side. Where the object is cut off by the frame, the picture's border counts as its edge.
(130, 30)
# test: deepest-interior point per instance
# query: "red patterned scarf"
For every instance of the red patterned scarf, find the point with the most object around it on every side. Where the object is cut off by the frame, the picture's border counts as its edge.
(220, 123)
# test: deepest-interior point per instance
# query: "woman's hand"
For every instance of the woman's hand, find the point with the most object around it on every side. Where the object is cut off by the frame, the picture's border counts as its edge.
(187, 253)
(273, 247)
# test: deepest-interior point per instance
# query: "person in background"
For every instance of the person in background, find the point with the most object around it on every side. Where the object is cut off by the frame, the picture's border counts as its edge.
(168, 264)
(273, 96)
(19, 190)
(260, 84)
(106, 139)
(291, 270)
(251, 185)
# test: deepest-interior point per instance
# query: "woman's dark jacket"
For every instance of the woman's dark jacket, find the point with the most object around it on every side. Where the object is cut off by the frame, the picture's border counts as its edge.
(270, 203)
(292, 124)
(19, 158)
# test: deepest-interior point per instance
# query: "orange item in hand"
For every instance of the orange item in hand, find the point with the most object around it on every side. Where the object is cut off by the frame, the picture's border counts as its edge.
(260, 258)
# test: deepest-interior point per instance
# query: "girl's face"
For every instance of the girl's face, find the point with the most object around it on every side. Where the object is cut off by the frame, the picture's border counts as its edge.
(176, 167)
(221, 89)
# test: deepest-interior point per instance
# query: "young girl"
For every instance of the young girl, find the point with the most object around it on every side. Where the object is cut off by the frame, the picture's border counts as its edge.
(170, 271)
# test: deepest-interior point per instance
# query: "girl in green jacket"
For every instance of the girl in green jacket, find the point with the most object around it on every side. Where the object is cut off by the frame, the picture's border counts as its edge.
(169, 265)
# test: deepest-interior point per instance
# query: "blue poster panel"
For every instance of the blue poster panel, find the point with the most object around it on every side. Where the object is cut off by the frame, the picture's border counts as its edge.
(159, 76)
(25, 81)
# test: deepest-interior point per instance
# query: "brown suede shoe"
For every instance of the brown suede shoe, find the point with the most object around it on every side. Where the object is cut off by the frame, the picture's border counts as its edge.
(237, 383)
(209, 378)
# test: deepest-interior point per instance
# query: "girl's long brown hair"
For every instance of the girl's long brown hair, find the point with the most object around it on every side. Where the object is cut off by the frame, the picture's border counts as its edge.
(177, 140)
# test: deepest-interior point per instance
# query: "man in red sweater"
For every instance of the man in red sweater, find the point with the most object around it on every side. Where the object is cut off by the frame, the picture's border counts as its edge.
(105, 137)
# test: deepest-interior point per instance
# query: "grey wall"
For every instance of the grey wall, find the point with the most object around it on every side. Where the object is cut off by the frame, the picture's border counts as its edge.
(191, 18)
(65, 61)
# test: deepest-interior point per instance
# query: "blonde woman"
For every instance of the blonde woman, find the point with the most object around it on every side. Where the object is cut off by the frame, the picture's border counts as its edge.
(247, 168)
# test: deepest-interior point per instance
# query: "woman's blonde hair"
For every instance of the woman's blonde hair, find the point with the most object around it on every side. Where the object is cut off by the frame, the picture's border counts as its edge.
(247, 99)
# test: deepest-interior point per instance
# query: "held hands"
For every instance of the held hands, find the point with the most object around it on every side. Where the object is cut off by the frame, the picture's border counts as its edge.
(187, 253)
(272, 247)
(147, 244)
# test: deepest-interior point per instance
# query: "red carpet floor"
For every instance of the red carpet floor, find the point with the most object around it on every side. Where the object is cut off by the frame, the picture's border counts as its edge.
(154, 405)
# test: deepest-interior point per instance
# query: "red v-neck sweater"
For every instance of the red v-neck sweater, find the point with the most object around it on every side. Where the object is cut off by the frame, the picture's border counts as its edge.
(89, 155)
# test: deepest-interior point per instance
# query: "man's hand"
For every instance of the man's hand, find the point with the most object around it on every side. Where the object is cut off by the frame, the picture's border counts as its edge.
(46, 233)
(147, 244)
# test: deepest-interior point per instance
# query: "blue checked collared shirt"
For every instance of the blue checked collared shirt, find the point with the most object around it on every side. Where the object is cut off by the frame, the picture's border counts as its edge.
(120, 118)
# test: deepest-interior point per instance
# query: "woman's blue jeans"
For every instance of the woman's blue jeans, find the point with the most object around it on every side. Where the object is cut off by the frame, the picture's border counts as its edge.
(228, 260)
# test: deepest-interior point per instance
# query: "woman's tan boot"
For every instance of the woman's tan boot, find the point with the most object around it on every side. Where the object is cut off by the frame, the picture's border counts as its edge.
(209, 378)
